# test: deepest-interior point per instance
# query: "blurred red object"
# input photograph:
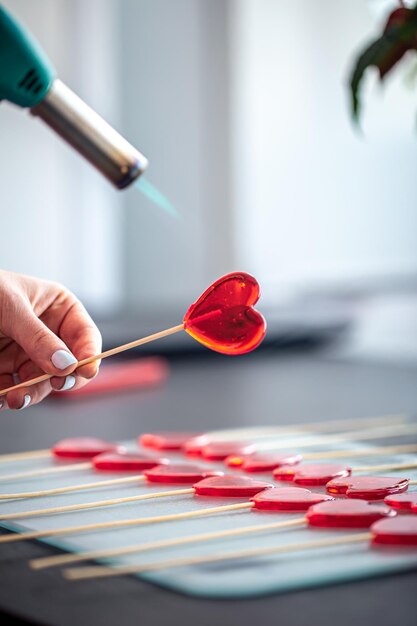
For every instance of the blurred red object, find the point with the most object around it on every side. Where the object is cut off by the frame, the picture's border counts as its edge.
(122, 376)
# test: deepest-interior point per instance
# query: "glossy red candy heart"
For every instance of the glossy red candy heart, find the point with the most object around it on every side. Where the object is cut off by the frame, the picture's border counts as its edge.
(180, 474)
(403, 501)
(367, 487)
(230, 487)
(83, 447)
(312, 473)
(194, 446)
(262, 461)
(219, 450)
(347, 514)
(126, 461)
(223, 317)
(400, 531)
(287, 499)
(165, 440)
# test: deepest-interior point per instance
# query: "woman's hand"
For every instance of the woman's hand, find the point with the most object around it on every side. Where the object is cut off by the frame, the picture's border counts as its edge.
(43, 329)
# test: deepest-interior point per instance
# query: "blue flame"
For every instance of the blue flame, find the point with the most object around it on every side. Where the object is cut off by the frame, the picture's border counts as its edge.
(156, 196)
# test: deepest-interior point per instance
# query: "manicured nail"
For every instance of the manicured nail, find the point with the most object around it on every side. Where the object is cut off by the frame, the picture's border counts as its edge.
(69, 383)
(26, 402)
(63, 359)
(1, 404)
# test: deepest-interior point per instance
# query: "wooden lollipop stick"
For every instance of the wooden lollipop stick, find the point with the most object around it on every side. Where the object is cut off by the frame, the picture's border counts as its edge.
(375, 451)
(53, 492)
(80, 573)
(381, 433)
(65, 559)
(102, 355)
(247, 433)
(73, 467)
(85, 528)
(387, 467)
(237, 434)
(23, 456)
(165, 494)
(98, 504)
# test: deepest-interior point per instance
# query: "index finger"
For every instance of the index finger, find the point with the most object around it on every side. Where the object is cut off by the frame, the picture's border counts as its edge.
(82, 337)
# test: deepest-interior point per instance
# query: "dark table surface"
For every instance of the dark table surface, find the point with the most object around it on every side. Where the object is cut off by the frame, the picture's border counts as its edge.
(201, 394)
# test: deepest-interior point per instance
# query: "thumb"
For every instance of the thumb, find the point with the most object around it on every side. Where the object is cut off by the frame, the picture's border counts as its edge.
(40, 344)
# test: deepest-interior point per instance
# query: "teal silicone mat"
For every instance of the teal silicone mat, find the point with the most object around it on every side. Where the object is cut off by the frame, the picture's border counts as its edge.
(224, 579)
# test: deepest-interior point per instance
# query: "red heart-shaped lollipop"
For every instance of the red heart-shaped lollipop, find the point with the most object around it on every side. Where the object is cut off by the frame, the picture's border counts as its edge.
(165, 440)
(83, 447)
(223, 317)
(401, 530)
(219, 450)
(126, 461)
(311, 473)
(287, 499)
(194, 446)
(367, 487)
(347, 514)
(230, 486)
(403, 501)
(179, 474)
(262, 461)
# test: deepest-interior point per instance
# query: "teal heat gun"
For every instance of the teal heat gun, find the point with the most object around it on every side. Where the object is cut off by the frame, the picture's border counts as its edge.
(28, 79)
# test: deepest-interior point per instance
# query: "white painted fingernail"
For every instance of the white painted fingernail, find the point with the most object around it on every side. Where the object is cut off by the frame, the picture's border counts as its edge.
(63, 359)
(1, 404)
(69, 383)
(26, 402)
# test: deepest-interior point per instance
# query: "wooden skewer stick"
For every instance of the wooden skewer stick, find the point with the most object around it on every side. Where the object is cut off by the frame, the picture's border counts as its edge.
(402, 449)
(23, 456)
(53, 492)
(101, 503)
(138, 521)
(82, 573)
(399, 430)
(247, 433)
(102, 355)
(70, 467)
(237, 434)
(65, 559)
(374, 451)
(164, 494)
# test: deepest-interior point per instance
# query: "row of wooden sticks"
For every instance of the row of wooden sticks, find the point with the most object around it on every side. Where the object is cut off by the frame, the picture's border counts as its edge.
(396, 430)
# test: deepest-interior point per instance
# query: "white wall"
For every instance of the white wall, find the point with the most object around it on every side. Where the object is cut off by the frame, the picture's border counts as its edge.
(313, 200)
(59, 218)
(175, 103)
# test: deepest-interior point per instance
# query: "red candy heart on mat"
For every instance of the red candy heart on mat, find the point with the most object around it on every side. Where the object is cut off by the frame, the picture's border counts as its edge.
(126, 461)
(219, 450)
(165, 440)
(223, 318)
(287, 499)
(262, 461)
(230, 486)
(180, 474)
(367, 487)
(83, 447)
(403, 501)
(401, 530)
(194, 446)
(347, 514)
(312, 474)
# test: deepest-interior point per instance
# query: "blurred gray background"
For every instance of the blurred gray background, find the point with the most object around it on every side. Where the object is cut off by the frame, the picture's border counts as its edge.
(241, 107)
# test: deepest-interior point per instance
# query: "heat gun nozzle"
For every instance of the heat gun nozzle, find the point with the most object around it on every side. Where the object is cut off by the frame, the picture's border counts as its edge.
(90, 135)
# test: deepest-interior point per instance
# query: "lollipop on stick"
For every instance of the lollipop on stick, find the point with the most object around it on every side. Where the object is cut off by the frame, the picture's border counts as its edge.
(222, 319)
